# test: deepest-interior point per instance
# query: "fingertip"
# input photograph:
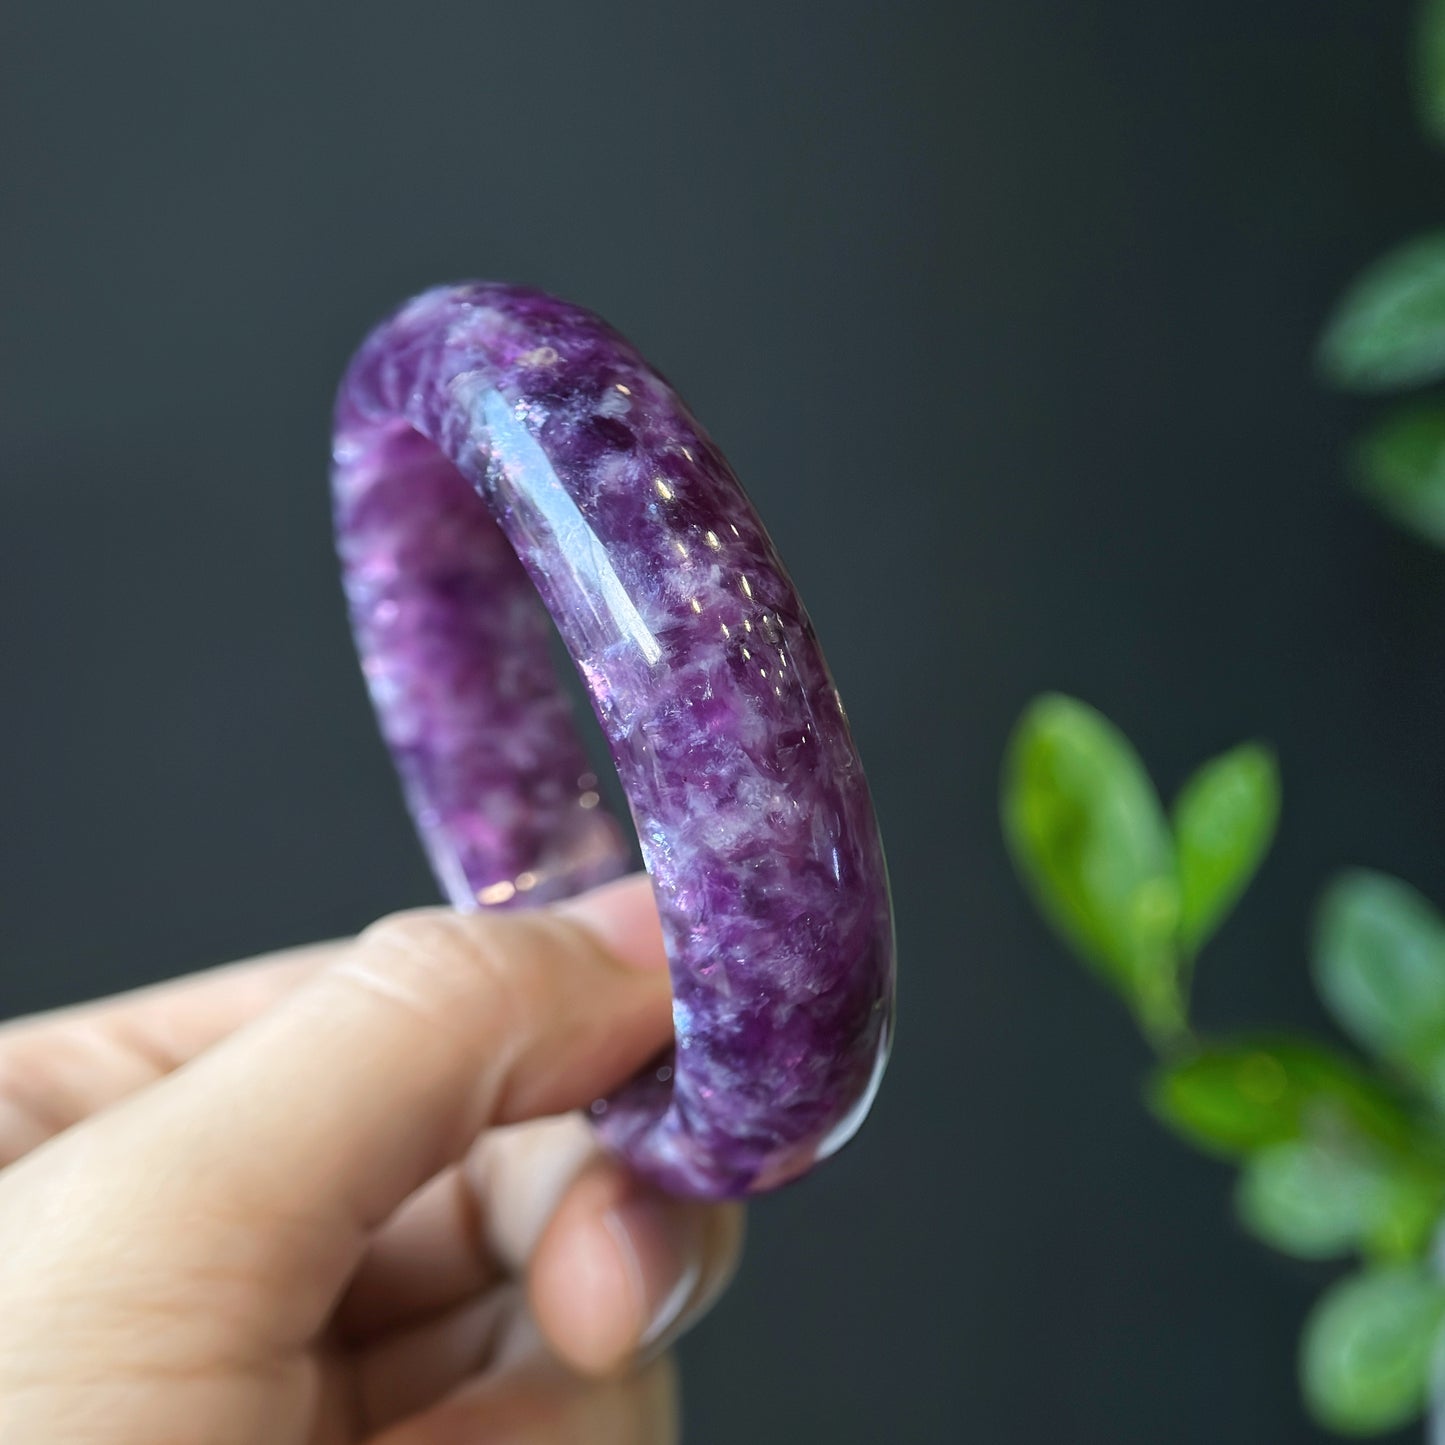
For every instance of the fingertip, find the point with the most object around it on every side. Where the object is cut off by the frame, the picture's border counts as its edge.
(577, 1283)
(662, 1245)
(618, 1270)
(622, 917)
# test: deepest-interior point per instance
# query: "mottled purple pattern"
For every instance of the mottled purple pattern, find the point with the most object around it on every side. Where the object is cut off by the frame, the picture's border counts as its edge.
(726, 729)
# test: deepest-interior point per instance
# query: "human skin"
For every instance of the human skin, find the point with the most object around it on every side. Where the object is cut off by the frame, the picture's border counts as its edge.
(335, 1196)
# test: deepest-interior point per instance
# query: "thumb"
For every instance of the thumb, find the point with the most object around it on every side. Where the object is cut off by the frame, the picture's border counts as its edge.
(326, 1112)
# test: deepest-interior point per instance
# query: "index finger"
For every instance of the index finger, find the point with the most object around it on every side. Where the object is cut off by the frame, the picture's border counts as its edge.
(59, 1067)
(337, 1104)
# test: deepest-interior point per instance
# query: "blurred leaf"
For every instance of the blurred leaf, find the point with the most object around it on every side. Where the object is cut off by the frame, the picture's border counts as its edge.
(1369, 1349)
(1400, 467)
(1224, 820)
(1309, 1200)
(1317, 1199)
(1088, 834)
(1430, 68)
(1388, 330)
(1407, 1215)
(1380, 965)
(1235, 1098)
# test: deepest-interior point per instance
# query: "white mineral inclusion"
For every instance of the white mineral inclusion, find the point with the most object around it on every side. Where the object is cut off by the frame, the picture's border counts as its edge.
(521, 466)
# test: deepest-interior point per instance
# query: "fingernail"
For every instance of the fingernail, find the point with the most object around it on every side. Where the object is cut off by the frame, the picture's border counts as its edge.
(662, 1243)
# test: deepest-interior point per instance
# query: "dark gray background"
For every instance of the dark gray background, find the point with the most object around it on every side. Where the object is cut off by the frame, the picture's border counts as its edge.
(1003, 311)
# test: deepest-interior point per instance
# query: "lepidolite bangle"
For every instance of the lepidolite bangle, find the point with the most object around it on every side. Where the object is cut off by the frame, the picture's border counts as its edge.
(605, 499)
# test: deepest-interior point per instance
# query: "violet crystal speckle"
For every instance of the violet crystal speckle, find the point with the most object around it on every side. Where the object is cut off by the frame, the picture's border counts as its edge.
(725, 727)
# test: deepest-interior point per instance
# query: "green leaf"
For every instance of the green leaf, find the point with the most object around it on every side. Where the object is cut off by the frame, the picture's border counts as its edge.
(1369, 1350)
(1400, 467)
(1388, 330)
(1407, 1215)
(1224, 820)
(1320, 1198)
(1309, 1200)
(1379, 961)
(1236, 1098)
(1088, 834)
(1430, 68)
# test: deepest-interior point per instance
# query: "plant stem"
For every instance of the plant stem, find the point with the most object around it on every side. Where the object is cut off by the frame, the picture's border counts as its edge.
(1435, 1411)
(1161, 1008)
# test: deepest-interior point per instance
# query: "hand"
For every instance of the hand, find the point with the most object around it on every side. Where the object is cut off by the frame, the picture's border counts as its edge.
(300, 1202)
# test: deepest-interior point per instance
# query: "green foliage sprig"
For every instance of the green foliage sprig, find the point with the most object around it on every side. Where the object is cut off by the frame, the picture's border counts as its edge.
(1387, 334)
(1338, 1156)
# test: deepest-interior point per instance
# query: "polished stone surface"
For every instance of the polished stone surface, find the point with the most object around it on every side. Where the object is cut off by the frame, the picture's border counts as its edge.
(606, 500)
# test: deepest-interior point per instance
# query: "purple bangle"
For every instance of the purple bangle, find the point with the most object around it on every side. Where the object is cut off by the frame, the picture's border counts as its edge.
(727, 732)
